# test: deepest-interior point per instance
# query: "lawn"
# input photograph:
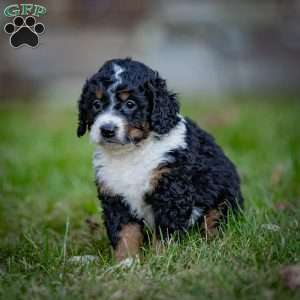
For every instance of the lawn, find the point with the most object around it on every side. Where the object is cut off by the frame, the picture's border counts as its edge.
(49, 211)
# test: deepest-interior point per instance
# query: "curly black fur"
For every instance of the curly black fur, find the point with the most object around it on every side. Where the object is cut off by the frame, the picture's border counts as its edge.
(164, 106)
(200, 176)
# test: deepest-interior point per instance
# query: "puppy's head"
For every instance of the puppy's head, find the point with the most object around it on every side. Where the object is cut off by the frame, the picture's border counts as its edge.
(125, 101)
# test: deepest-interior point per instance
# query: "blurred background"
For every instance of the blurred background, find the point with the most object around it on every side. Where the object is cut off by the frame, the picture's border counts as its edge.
(200, 46)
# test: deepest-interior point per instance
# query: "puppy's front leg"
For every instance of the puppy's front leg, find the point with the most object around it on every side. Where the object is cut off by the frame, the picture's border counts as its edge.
(123, 229)
(130, 240)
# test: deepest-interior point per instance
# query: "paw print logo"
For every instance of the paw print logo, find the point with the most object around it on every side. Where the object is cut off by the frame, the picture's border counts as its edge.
(24, 32)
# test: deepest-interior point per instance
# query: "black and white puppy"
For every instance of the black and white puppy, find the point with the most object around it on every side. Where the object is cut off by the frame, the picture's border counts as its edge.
(153, 167)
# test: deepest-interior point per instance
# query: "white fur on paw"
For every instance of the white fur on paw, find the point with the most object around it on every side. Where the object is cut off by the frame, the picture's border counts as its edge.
(128, 262)
(83, 259)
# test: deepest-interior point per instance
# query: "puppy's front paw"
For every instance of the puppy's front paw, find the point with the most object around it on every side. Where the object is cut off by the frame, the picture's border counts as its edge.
(83, 259)
(128, 262)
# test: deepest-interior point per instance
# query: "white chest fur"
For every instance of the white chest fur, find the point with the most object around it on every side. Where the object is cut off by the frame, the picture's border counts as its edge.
(127, 171)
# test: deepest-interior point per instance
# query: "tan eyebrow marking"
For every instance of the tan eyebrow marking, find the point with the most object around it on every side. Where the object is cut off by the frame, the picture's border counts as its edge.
(124, 95)
(99, 93)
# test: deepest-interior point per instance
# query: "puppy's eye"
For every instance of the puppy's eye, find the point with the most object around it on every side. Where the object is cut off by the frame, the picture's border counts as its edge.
(130, 104)
(97, 105)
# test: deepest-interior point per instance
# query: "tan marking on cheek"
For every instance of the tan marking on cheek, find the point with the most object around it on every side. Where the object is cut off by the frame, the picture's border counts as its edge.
(124, 95)
(157, 174)
(99, 93)
(130, 240)
(137, 134)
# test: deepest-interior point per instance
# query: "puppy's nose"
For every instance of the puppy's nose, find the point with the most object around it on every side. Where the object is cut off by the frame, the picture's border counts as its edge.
(108, 130)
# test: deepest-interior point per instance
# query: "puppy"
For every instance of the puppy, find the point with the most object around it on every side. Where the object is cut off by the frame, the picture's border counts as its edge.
(153, 167)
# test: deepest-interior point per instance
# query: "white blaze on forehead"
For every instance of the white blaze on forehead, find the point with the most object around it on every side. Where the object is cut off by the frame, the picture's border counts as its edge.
(118, 79)
(109, 116)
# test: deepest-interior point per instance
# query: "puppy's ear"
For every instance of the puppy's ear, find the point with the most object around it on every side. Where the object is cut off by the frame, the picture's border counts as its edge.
(83, 111)
(163, 115)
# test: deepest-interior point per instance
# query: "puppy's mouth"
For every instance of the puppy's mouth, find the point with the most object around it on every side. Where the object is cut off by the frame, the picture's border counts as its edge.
(115, 141)
(112, 141)
(128, 140)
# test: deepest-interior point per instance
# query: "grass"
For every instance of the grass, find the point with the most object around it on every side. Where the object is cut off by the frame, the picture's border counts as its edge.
(47, 193)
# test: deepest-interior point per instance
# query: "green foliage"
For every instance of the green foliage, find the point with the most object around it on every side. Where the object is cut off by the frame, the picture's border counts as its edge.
(47, 193)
